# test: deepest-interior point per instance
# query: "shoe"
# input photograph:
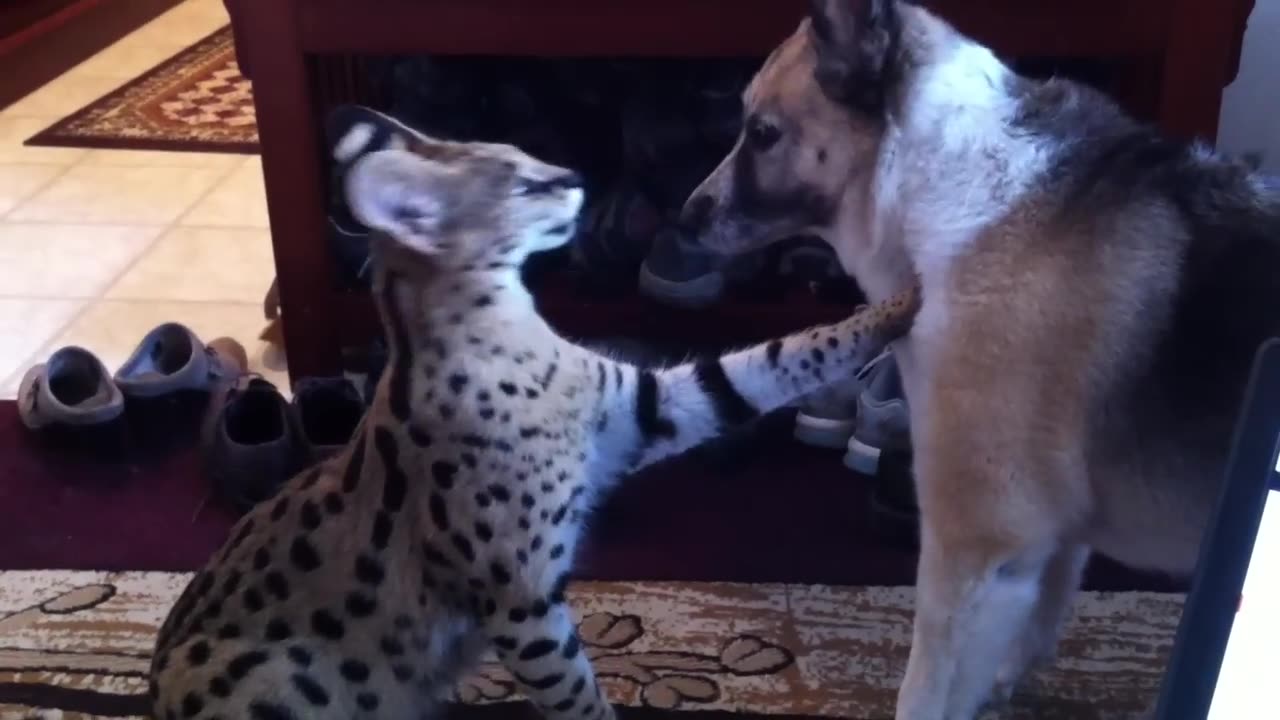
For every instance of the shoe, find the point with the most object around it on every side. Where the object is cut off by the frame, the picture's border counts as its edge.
(826, 418)
(805, 264)
(252, 444)
(171, 359)
(882, 423)
(327, 411)
(616, 232)
(445, 97)
(71, 400)
(807, 261)
(167, 382)
(679, 272)
(894, 512)
(677, 123)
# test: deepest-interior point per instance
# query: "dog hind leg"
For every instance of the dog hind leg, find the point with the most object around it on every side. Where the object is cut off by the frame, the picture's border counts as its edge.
(996, 504)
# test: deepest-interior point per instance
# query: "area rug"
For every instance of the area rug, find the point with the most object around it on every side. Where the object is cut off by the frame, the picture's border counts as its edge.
(195, 101)
(76, 645)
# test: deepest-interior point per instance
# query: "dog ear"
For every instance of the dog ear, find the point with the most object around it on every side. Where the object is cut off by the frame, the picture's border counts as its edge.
(402, 194)
(855, 42)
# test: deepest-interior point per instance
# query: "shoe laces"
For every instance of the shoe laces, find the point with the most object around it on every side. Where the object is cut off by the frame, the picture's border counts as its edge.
(871, 365)
(217, 367)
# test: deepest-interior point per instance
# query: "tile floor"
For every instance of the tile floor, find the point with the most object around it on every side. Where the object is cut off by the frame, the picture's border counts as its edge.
(99, 246)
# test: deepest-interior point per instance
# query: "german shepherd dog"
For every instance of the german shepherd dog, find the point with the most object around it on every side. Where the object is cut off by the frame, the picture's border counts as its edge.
(1094, 295)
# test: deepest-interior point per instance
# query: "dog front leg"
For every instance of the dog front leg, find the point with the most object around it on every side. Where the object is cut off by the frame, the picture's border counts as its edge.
(972, 601)
(1036, 646)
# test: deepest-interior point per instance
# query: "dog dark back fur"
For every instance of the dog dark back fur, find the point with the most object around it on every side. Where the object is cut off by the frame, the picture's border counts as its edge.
(1222, 236)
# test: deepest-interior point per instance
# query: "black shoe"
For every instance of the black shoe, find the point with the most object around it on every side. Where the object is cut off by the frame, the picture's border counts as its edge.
(895, 513)
(252, 444)
(328, 411)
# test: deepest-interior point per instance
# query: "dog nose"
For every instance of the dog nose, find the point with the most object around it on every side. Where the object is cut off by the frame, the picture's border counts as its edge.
(696, 213)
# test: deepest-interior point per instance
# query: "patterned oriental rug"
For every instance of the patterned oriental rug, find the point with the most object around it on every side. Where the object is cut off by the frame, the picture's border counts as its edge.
(196, 101)
(75, 644)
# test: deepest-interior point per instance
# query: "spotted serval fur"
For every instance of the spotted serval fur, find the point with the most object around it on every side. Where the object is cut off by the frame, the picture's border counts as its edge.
(449, 524)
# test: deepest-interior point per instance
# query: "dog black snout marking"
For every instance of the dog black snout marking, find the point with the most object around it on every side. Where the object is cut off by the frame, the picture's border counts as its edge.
(697, 213)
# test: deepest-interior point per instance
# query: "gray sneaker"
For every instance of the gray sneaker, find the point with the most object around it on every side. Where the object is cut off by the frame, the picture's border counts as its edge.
(882, 423)
(826, 417)
(172, 359)
(679, 272)
(71, 389)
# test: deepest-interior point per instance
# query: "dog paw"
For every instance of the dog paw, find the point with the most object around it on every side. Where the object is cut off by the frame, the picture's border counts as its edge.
(1015, 671)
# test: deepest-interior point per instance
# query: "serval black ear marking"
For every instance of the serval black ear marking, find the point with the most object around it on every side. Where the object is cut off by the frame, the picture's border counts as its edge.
(856, 45)
(354, 131)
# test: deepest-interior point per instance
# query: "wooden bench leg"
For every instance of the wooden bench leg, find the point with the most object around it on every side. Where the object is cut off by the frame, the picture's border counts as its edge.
(1196, 66)
(290, 133)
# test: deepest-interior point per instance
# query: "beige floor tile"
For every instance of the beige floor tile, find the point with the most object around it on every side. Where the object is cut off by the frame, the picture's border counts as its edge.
(210, 12)
(185, 24)
(130, 57)
(240, 200)
(15, 130)
(67, 261)
(19, 182)
(202, 264)
(112, 329)
(130, 195)
(26, 325)
(63, 96)
(157, 158)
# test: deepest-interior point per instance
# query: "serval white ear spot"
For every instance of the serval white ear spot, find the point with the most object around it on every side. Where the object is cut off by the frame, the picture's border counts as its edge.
(354, 142)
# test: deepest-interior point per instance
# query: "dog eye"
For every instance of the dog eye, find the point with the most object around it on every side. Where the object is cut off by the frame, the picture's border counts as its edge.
(762, 135)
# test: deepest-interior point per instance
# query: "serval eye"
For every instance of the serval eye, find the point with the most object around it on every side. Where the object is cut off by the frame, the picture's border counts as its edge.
(762, 135)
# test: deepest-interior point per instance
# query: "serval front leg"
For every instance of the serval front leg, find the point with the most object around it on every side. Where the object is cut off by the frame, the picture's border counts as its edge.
(680, 407)
(532, 628)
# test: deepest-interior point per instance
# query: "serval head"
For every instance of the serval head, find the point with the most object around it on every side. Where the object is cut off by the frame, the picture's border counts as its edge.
(460, 206)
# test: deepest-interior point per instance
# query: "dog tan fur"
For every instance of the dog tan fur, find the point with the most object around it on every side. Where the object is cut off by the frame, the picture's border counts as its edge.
(1094, 294)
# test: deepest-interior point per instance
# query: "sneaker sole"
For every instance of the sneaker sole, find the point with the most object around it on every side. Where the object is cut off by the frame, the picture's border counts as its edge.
(698, 292)
(862, 457)
(822, 432)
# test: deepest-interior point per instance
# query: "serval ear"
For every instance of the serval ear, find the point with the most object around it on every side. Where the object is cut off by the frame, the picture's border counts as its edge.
(855, 42)
(353, 131)
(403, 195)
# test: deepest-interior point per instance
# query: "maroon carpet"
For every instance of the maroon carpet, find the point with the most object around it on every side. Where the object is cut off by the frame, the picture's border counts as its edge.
(761, 509)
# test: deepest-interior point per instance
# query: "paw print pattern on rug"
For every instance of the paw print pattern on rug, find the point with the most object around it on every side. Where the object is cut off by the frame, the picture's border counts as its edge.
(666, 679)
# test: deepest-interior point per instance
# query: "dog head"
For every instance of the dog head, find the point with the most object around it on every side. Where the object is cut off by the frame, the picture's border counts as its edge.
(458, 204)
(815, 116)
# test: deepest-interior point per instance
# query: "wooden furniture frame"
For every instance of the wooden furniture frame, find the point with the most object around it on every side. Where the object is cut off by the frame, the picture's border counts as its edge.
(41, 39)
(1181, 54)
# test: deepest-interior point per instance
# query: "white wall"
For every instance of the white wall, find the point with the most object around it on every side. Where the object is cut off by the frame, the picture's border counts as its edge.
(1250, 120)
